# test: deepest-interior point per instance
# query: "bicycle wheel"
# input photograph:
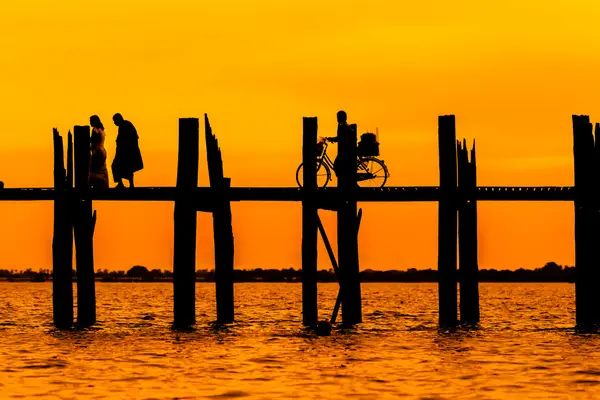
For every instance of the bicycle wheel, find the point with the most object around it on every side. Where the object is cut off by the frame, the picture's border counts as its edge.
(323, 174)
(371, 172)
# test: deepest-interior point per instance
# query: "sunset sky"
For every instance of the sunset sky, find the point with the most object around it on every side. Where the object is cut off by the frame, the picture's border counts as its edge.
(512, 72)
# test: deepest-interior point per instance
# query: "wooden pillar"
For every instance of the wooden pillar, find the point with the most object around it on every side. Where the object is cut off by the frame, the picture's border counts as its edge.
(586, 259)
(184, 258)
(447, 222)
(310, 315)
(62, 249)
(222, 228)
(347, 228)
(70, 162)
(467, 235)
(70, 203)
(595, 183)
(84, 228)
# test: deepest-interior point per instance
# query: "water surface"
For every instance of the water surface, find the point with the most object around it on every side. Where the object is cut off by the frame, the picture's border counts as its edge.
(525, 347)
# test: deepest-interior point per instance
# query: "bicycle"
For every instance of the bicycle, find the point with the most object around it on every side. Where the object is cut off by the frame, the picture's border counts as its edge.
(371, 171)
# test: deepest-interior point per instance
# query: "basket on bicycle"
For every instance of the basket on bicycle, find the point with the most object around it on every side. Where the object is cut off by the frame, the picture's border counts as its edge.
(320, 148)
(368, 145)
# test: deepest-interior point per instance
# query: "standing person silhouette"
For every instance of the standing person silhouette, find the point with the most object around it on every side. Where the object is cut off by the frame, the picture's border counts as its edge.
(98, 171)
(342, 119)
(128, 157)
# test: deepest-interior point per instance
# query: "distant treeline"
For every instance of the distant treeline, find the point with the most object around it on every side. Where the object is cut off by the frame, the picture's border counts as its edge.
(551, 272)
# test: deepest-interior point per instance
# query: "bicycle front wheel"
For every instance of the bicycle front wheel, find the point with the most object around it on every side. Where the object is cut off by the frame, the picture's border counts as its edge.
(323, 174)
(371, 172)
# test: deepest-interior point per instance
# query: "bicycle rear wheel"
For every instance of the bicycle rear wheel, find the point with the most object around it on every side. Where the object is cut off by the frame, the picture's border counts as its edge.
(371, 172)
(323, 174)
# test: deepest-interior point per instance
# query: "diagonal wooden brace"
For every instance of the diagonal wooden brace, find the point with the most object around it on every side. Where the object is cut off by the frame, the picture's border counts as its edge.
(334, 263)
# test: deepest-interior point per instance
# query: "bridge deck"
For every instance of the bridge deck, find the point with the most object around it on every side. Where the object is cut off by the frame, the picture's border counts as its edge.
(386, 194)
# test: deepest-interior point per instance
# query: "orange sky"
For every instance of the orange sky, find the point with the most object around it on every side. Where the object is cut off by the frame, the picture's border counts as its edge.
(512, 74)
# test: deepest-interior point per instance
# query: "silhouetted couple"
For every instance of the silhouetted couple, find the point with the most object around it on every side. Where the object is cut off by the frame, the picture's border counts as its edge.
(128, 157)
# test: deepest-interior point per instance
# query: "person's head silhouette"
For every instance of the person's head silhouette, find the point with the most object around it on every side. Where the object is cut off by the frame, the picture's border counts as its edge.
(117, 119)
(341, 117)
(95, 122)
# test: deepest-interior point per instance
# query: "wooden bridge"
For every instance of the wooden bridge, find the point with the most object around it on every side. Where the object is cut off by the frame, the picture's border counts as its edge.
(457, 197)
(385, 194)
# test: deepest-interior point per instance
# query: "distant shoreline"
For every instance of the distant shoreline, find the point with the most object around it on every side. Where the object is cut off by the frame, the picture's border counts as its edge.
(551, 272)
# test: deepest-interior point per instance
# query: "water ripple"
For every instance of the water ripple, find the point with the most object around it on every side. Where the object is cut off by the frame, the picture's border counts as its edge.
(525, 347)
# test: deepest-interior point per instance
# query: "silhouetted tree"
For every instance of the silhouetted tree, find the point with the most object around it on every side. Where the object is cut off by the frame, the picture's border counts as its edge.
(138, 271)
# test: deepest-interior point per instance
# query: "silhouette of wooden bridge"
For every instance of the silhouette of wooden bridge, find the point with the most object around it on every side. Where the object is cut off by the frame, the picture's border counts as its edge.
(385, 194)
(457, 197)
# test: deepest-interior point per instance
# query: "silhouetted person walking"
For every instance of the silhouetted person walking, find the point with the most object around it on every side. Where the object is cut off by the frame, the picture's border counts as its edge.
(128, 158)
(98, 170)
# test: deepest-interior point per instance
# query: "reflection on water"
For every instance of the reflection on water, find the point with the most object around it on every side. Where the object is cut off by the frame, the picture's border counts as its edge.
(524, 348)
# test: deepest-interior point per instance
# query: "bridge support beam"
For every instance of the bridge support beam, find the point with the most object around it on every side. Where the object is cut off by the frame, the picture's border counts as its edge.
(587, 224)
(310, 220)
(184, 257)
(447, 222)
(84, 224)
(62, 242)
(467, 235)
(347, 227)
(222, 228)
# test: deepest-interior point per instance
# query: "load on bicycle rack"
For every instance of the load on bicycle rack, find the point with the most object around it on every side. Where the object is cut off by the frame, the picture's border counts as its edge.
(371, 171)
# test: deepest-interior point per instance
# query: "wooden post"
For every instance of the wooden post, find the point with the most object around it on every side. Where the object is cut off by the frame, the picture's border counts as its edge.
(70, 203)
(184, 258)
(222, 228)
(84, 226)
(70, 162)
(467, 234)
(347, 228)
(62, 281)
(310, 216)
(338, 301)
(585, 258)
(71, 206)
(447, 222)
(595, 237)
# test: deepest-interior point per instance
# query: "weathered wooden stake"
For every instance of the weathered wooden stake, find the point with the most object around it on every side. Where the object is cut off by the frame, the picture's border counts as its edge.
(84, 226)
(467, 234)
(62, 282)
(447, 222)
(70, 162)
(586, 260)
(596, 225)
(184, 258)
(71, 205)
(338, 301)
(347, 228)
(310, 216)
(222, 228)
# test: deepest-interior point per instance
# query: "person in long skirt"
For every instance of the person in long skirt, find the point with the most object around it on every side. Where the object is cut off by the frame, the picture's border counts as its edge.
(98, 171)
(128, 157)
